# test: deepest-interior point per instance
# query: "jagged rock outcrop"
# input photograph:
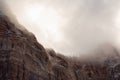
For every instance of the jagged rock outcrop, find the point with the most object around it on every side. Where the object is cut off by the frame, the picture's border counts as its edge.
(23, 58)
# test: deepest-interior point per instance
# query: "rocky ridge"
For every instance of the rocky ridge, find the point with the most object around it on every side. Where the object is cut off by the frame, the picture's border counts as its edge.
(23, 58)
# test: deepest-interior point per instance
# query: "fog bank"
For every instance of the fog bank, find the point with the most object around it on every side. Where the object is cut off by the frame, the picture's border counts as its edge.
(70, 27)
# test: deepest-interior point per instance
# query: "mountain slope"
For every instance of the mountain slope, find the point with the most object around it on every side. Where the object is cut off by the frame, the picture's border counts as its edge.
(23, 58)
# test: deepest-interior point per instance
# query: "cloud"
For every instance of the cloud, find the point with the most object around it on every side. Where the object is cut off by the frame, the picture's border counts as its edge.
(91, 25)
(3, 7)
(87, 23)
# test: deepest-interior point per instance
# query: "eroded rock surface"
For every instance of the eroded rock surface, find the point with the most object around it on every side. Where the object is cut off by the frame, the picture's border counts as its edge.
(23, 58)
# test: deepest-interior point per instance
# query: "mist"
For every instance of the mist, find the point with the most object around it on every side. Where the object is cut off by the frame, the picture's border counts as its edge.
(70, 27)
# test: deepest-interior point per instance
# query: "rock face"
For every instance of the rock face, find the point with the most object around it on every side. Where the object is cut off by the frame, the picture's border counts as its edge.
(23, 58)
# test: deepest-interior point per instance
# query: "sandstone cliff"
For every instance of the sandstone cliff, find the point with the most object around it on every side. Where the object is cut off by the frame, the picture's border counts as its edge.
(23, 58)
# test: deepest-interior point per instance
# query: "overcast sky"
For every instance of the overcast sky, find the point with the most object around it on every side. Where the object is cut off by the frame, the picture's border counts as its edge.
(70, 26)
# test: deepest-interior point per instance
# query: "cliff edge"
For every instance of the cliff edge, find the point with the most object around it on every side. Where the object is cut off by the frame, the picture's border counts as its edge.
(23, 58)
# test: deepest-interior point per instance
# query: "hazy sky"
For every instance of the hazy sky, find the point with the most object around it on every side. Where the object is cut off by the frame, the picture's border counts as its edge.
(70, 26)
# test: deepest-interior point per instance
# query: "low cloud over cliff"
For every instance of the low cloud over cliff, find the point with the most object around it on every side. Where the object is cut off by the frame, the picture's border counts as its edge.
(74, 27)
